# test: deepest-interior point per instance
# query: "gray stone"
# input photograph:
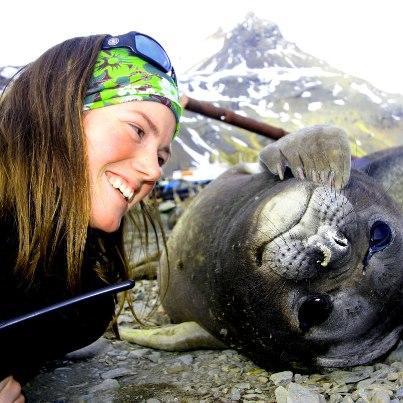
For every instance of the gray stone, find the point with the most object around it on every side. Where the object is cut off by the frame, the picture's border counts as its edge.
(298, 378)
(186, 359)
(393, 376)
(381, 373)
(399, 393)
(365, 383)
(175, 368)
(380, 396)
(154, 356)
(301, 394)
(380, 365)
(252, 396)
(113, 353)
(281, 394)
(363, 394)
(107, 384)
(349, 377)
(347, 399)
(385, 385)
(99, 346)
(281, 378)
(335, 398)
(340, 389)
(235, 394)
(142, 352)
(116, 373)
(397, 365)
(297, 394)
(243, 385)
(262, 379)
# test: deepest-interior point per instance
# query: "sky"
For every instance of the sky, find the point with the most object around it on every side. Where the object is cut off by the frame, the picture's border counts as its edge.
(359, 37)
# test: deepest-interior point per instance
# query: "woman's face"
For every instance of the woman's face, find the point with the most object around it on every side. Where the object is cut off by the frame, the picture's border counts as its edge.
(126, 144)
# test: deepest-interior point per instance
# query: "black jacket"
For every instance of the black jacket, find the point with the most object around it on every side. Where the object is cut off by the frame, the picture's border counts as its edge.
(24, 348)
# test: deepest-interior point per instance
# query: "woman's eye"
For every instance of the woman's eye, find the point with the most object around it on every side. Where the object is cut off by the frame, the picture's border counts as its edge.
(380, 236)
(137, 130)
(161, 161)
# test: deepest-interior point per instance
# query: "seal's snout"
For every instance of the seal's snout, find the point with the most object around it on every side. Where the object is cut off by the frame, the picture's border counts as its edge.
(314, 311)
(330, 245)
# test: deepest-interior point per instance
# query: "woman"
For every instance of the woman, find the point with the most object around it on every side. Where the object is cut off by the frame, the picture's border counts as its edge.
(84, 132)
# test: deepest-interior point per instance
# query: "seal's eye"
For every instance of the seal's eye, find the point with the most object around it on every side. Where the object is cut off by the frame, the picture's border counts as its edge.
(380, 236)
(314, 311)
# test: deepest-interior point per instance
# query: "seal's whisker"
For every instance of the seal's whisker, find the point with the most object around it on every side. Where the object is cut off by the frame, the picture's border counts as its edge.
(281, 235)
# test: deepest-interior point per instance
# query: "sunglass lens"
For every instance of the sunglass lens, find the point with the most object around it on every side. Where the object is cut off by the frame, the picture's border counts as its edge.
(152, 50)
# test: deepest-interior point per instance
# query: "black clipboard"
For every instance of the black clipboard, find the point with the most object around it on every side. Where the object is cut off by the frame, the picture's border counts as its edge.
(111, 289)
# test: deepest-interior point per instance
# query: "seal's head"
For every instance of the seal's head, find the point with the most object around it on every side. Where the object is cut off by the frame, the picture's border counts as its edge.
(314, 275)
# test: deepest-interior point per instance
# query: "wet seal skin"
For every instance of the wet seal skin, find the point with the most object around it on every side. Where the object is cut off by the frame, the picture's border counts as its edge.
(303, 271)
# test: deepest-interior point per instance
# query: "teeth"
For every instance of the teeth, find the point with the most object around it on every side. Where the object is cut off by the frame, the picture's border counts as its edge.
(126, 191)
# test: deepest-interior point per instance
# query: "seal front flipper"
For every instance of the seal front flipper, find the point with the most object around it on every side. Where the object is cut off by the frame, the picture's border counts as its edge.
(319, 153)
(181, 337)
(386, 167)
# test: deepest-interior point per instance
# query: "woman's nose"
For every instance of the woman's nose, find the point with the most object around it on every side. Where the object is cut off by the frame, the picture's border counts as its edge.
(148, 167)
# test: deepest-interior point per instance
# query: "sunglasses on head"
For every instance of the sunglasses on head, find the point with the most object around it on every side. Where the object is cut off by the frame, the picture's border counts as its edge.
(143, 46)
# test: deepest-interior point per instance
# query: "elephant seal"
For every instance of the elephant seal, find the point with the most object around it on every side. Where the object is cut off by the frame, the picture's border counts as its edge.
(304, 271)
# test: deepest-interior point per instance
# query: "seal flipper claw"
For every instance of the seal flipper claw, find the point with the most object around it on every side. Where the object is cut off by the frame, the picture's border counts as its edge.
(181, 337)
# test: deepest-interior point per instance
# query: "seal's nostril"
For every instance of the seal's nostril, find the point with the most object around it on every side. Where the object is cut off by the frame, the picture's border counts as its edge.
(341, 242)
(314, 311)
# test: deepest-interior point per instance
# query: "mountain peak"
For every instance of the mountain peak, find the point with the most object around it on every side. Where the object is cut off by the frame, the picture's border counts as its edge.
(256, 43)
(256, 26)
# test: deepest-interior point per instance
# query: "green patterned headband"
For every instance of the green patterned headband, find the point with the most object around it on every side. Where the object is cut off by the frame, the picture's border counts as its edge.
(119, 77)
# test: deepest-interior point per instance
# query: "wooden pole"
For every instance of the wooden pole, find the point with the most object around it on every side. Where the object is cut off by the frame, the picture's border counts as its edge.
(225, 115)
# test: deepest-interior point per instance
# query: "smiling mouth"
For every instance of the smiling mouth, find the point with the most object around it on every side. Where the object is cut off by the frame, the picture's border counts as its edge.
(121, 186)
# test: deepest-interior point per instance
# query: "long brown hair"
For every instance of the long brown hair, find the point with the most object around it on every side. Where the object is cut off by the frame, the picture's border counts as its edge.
(44, 178)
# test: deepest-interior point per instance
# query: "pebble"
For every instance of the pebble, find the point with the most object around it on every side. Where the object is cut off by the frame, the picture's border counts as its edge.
(262, 379)
(186, 359)
(235, 394)
(98, 347)
(107, 384)
(281, 378)
(350, 377)
(335, 398)
(116, 373)
(243, 385)
(399, 393)
(142, 352)
(393, 376)
(298, 378)
(380, 396)
(297, 394)
(175, 368)
(154, 356)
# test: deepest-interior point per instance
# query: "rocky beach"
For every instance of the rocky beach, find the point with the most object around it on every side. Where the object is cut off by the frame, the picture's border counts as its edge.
(111, 370)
